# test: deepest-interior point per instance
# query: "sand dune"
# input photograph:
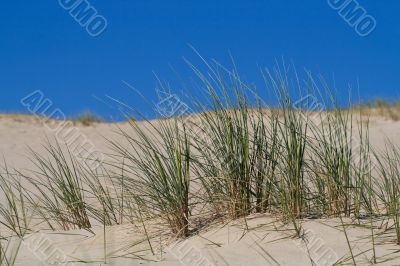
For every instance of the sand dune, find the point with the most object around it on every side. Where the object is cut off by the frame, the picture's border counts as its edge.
(256, 240)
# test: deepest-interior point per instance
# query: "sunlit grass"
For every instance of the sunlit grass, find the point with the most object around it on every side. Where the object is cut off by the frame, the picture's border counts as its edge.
(237, 156)
(58, 189)
(157, 178)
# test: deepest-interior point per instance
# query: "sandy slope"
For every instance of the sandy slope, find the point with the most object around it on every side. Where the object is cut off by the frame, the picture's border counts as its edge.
(266, 242)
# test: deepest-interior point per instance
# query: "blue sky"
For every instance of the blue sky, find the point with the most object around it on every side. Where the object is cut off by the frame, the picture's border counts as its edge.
(43, 47)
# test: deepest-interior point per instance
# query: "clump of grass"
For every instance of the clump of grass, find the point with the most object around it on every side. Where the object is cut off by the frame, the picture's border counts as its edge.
(224, 145)
(156, 176)
(68, 193)
(236, 146)
(88, 119)
(58, 189)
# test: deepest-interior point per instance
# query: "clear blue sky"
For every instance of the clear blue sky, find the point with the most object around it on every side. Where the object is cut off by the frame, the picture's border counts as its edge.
(43, 47)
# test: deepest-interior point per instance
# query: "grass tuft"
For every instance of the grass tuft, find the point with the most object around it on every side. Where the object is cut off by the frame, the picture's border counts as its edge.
(88, 119)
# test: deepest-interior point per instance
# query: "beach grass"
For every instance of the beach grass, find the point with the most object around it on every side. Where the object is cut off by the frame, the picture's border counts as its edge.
(235, 157)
